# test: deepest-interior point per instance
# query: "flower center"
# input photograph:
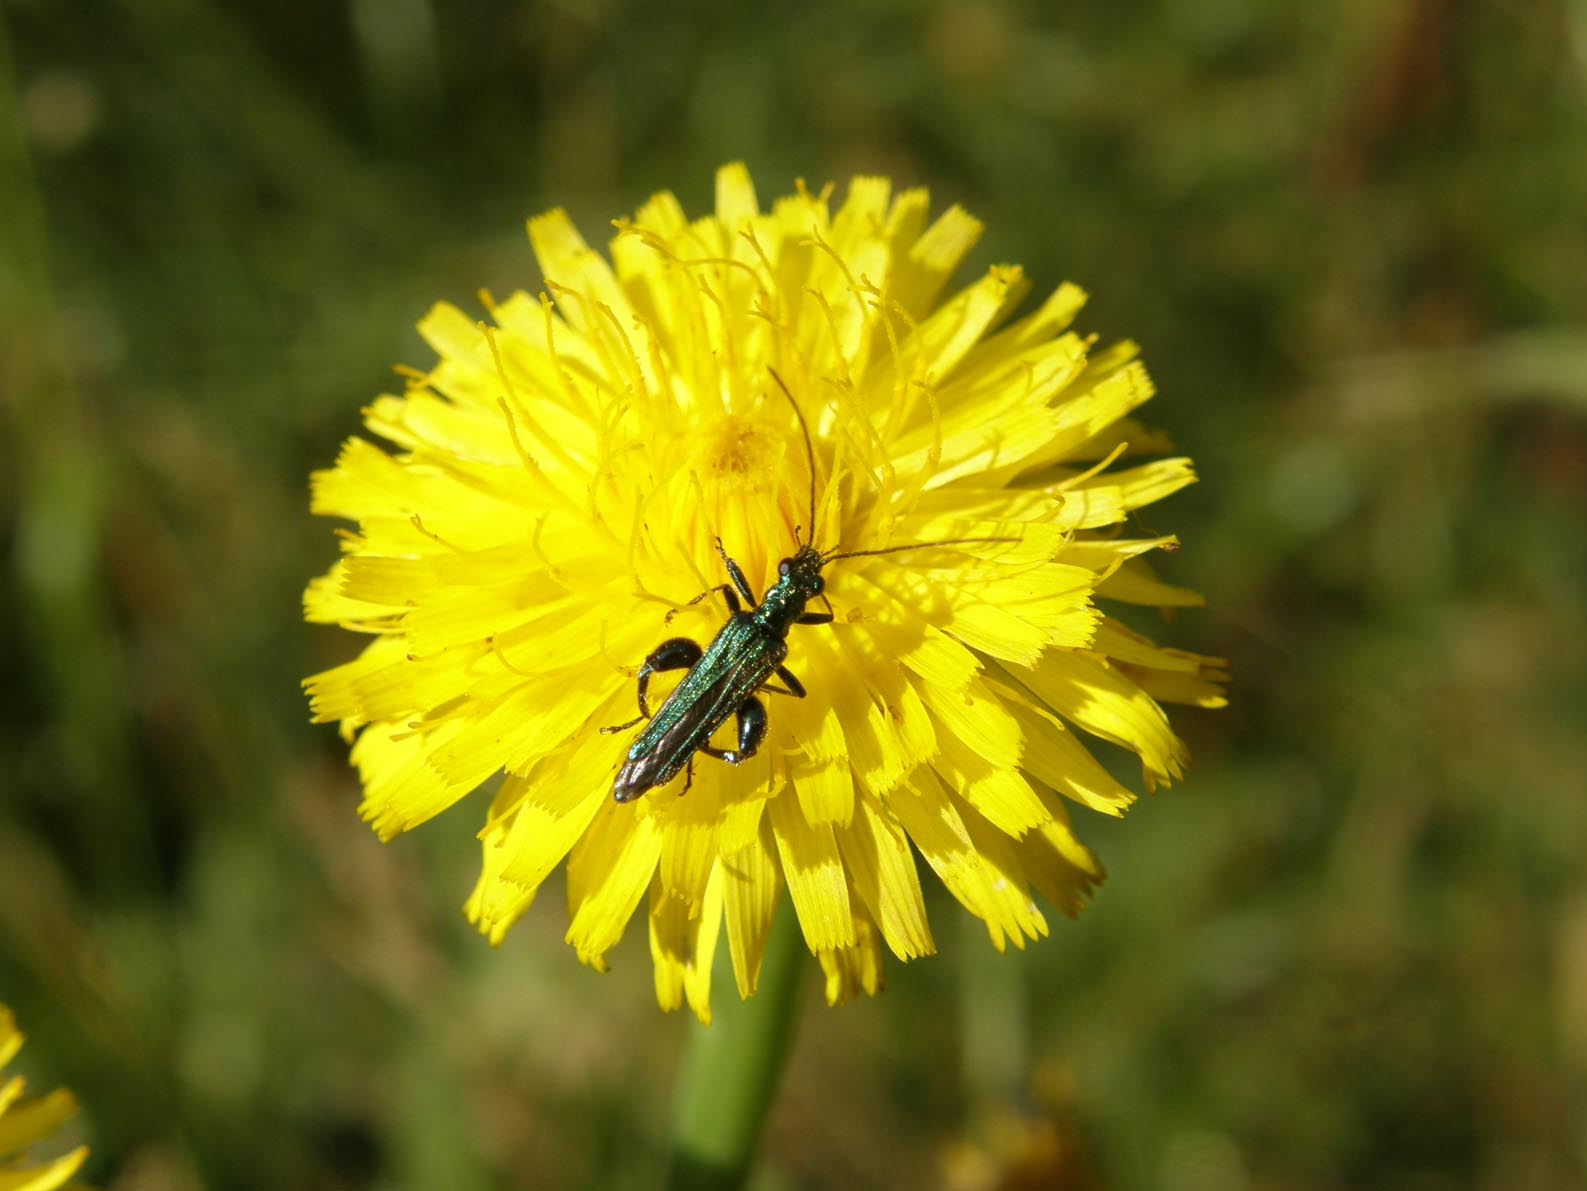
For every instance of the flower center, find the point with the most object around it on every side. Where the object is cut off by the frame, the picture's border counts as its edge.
(739, 454)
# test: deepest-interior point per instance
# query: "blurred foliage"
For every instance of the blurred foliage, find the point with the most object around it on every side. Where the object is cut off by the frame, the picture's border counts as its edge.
(1351, 951)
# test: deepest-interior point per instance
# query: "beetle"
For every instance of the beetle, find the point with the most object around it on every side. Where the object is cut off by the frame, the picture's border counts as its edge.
(725, 677)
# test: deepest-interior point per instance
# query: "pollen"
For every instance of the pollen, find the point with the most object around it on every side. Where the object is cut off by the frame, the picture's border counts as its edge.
(741, 453)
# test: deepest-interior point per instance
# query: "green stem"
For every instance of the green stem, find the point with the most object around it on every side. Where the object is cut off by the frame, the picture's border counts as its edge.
(993, 1026)
(732, 1067)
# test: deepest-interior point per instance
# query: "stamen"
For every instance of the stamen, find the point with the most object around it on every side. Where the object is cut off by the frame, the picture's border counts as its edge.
(418, 523)
(600, 342)
(569, 390)
(837, 336)
(1097, 468)
(729, 352)
(501, 657)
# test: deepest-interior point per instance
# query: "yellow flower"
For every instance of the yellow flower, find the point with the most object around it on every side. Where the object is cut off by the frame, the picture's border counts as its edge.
(554, 491)
(26, 1122)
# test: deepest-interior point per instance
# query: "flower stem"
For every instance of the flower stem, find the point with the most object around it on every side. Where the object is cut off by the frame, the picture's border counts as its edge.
(993, 1026)
(732, 1066)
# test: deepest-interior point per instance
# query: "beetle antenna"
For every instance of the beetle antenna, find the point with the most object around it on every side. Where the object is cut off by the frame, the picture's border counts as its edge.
(914, 546)
(810, 452)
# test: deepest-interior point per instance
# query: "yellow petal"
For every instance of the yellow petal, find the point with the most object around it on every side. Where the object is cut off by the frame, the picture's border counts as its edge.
(1016, 616)
(1136, 583)
(932, 259)
(976, 716)
(856, 968)
(997, 378)
(457, 340)
(682, 947)
(387, 682)
(25, 1122)
(939, 343)
(11, 1039)
(735, 196)
(882, 871)
(658, 223)
(930, 816)
(1001, 793)
(1086, 413)
(813, 868)
(1103, 555)
(1124, 439)
(902, 631)
(1108, 498)
(1204, 689)
(690, 827)
(1055, 758)
(547, 813)
(869, 710)
(1120, 643)
(522, 727)
(1085, 691)
(751, 886)
(906, 219)
(47, 1177)
(1003, 894)
(608, 872)
(820, 771)
(697, 978)
(672, 936)
(401, 788)
(745, 791)
(324, 602)
(1063, 869)
(571, 265)
(1052, 317)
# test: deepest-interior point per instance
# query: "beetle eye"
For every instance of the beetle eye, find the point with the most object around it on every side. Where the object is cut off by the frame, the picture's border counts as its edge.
(817, 584)
(785, 566)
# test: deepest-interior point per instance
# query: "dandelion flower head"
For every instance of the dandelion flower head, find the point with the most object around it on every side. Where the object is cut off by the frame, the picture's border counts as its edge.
(552, 490)
(27, 1121)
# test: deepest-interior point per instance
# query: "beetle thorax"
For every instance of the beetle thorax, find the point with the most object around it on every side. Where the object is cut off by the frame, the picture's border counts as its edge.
(799, 581)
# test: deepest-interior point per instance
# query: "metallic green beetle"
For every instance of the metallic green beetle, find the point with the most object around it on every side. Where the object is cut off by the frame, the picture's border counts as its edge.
(724, 678)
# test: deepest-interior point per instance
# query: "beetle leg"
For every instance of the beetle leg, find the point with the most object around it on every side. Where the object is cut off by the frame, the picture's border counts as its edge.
(727, 594)
(819, 617)
(677, 654)
(736, 575)
(815, 618)
(792, 686)
(751, 732)
(795, 687)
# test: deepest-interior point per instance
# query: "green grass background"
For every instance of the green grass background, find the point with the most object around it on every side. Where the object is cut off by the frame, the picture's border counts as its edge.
(1350, 951)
